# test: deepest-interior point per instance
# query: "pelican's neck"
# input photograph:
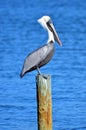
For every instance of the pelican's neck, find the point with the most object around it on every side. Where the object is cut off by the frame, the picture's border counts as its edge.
(50, 36)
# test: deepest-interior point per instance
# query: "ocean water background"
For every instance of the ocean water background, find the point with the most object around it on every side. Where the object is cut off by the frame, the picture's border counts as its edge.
(20, 34)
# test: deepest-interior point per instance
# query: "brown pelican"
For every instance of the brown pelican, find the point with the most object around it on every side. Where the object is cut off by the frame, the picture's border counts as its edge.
(42, 55)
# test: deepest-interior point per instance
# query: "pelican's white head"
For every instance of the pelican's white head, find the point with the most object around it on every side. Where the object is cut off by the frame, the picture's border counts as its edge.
(46, 22)
(43, 20)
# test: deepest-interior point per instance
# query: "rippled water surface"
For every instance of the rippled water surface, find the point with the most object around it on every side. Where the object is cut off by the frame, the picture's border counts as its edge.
(20, 34)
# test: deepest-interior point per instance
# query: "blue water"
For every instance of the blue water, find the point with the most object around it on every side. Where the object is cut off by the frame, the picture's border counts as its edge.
(20, 34)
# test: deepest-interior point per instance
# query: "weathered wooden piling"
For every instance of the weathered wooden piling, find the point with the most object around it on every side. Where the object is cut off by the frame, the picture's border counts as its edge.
(44, 102)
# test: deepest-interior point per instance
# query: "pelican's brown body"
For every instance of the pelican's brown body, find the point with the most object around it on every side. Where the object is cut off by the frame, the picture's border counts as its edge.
(38, 58)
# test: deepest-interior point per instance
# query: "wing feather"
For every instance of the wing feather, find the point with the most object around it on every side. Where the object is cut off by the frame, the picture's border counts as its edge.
(34, 58)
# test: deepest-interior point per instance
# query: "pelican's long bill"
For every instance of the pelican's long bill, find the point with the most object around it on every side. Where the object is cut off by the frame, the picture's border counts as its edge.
(51, 28)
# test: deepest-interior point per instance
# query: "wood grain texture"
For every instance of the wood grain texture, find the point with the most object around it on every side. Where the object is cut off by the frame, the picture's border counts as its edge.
(44, 102)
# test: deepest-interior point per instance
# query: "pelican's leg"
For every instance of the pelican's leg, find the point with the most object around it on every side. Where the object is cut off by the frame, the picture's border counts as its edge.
(39, 72)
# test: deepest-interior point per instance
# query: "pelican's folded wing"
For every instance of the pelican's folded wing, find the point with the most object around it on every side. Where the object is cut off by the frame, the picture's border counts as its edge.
(34, 58)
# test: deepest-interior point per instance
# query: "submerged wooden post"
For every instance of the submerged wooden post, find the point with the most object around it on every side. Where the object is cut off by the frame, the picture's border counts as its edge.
(44, 102)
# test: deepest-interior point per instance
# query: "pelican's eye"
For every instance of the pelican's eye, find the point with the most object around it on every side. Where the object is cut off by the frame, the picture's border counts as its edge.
(49, 22)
